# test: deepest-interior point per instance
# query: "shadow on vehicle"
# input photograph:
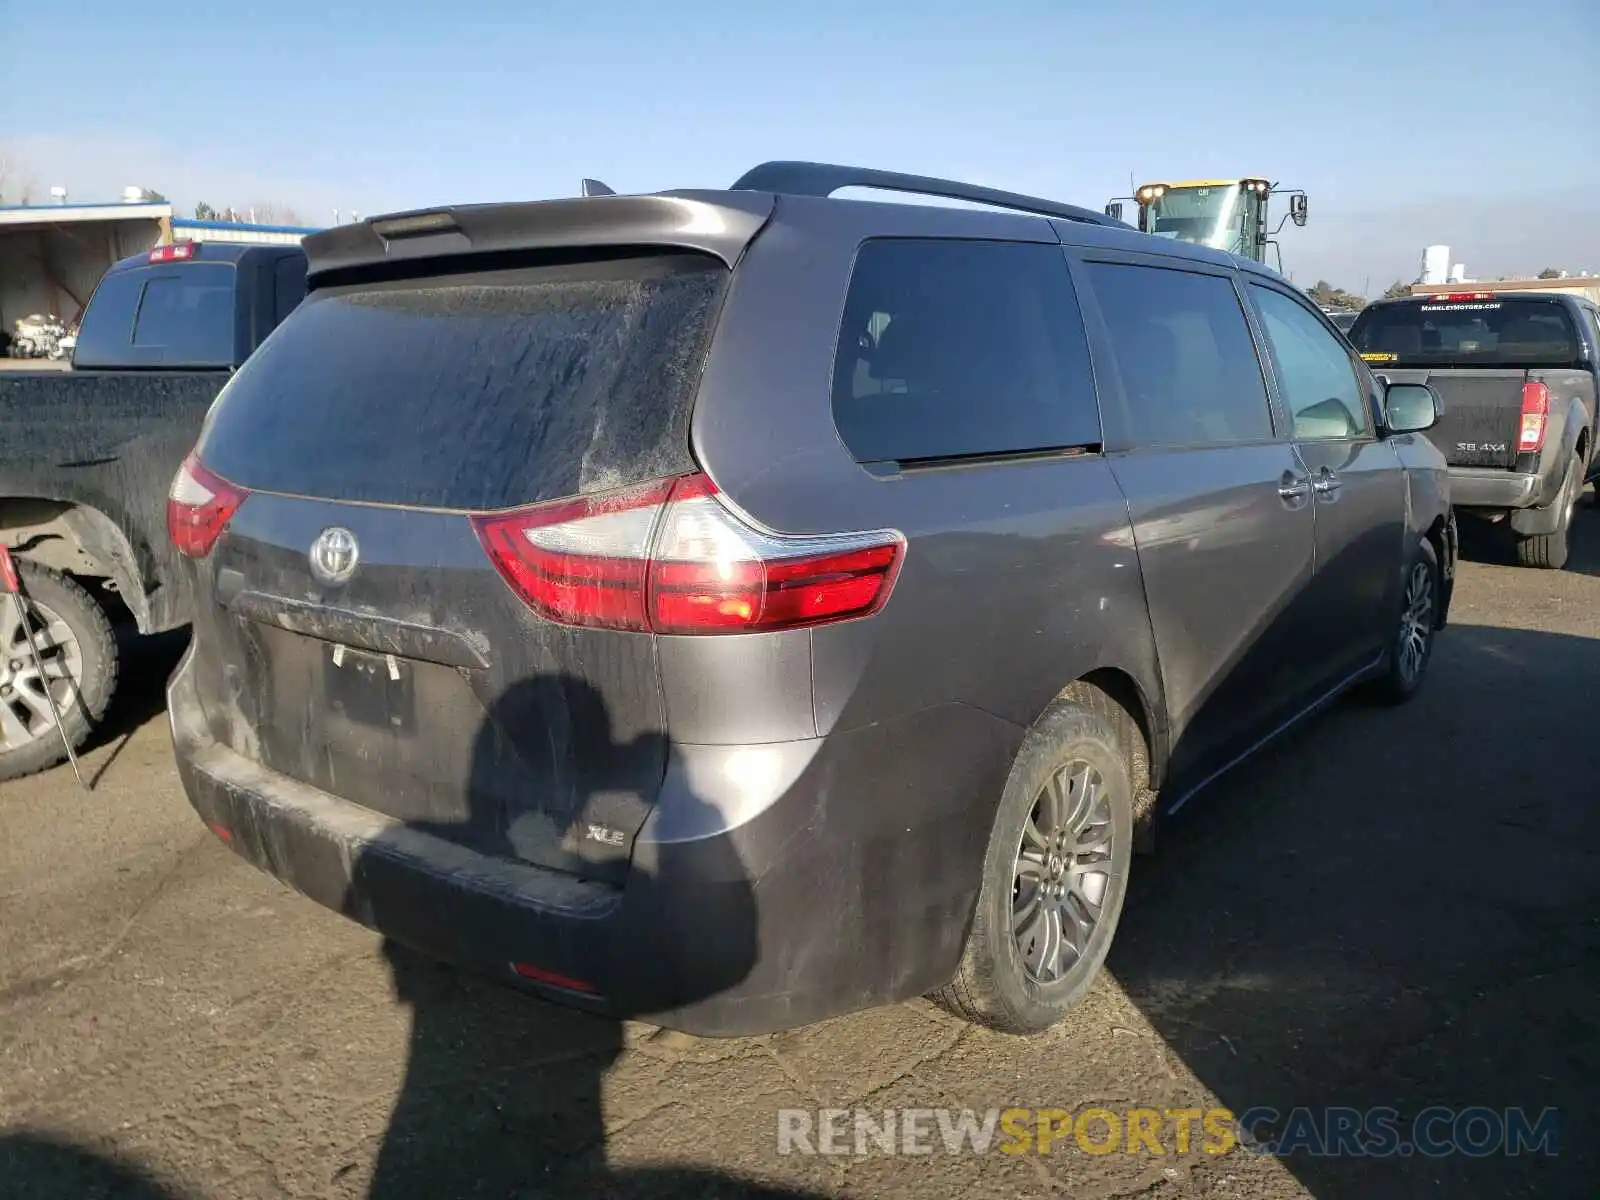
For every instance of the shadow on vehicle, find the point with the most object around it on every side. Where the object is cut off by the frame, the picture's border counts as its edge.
(502, 1095)
(1332, 934)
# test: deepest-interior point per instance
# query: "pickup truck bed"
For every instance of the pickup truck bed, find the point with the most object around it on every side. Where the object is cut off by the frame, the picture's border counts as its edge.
(87, 457)
(1518, 378)
(102, 447)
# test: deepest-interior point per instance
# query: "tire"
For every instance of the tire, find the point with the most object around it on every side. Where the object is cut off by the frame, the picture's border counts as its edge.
(28, 739)
(998, 983)
(1548, 551)
(1411, 647)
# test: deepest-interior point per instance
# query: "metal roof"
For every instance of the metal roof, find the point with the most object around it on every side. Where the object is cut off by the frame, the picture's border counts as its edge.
(63, 214)
(241, 226)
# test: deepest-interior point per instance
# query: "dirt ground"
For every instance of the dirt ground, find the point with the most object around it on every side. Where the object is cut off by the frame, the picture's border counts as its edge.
(1389, 908)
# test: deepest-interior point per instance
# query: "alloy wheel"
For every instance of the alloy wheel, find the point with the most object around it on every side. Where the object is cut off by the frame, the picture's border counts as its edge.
(25, 704)
(1416, 621)
(1063, 872)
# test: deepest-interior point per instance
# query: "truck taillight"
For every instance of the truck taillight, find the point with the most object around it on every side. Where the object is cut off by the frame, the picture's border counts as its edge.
(672, 557)
(1535, 408)
(177, 252)
(199, 506)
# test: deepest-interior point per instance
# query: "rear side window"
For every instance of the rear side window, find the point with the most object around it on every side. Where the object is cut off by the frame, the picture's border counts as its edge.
(479, 391)
(1486, 332)
(107, 327)
(957, 348)
(1190, 375)
(188, 314)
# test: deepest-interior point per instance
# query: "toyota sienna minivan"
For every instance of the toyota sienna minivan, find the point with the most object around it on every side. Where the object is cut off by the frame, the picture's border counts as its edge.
(734, 608)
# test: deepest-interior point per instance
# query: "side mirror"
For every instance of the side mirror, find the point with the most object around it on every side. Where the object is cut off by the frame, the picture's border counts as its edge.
(1297, 208)
(1411, 407)
(1114, 210)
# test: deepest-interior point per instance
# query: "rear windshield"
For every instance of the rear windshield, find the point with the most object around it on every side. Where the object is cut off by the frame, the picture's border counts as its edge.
(167, 316)
(479, 391)
(1496, 332)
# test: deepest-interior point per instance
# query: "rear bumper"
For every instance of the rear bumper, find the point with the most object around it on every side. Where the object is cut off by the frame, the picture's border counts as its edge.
(772, 886)
(1490, 488)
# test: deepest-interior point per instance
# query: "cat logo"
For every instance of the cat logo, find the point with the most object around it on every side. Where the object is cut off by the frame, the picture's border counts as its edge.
(605, 836)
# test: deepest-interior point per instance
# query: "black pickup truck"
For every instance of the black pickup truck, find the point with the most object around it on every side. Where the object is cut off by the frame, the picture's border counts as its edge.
(1518, 373)
(86, 460)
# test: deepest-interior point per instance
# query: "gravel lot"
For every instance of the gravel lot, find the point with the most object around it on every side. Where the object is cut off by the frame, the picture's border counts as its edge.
(1389, 908)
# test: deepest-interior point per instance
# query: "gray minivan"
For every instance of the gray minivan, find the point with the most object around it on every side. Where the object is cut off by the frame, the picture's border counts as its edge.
(734, 608)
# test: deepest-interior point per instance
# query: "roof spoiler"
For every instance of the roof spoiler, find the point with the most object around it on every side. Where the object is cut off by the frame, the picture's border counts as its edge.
(716, 223)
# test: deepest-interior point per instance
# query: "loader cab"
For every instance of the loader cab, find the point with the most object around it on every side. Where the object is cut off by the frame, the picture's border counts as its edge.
(1225, 214)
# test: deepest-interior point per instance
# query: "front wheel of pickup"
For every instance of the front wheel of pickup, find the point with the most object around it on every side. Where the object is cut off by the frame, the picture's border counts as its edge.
(76, 670)
(1548, 551)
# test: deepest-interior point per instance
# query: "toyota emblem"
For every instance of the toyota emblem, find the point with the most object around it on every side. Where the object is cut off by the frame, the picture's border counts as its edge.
(334, 555)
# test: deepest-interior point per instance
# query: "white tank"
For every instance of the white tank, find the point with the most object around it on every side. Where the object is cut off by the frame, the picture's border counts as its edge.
(1458, 273)
(1436, 264)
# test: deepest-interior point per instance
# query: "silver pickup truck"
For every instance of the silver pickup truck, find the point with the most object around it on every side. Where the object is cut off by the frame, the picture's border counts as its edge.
(1517, 373)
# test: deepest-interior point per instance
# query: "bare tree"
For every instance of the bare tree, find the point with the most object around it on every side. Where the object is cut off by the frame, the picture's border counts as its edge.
(16, 181)
(275, 212)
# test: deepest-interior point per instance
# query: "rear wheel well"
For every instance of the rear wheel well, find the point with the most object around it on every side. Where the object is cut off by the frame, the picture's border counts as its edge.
(1444, 555)
(75, 540)
(1116, 693)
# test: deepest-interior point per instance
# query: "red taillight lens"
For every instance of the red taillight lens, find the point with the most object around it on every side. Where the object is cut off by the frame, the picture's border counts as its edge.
(672, 557)
(712, 572)
(581, 562)
(1535, 408)
(199, 506)
(177, 252)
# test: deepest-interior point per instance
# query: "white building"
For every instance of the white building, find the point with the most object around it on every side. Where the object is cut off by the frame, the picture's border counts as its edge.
(53, 255)
(1436, 264)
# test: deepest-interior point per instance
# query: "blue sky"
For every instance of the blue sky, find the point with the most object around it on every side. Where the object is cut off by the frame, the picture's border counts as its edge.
(1407, 122)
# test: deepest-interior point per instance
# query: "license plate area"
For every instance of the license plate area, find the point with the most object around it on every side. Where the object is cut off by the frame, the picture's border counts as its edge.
(375, 690)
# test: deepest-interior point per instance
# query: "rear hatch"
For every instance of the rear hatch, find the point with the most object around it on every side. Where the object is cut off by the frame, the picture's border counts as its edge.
(363, 640)
(1478, 350)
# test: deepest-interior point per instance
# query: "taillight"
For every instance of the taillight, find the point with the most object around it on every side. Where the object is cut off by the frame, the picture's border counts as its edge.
(1535, 408)
(199, 506)
(581, 562)
(672, 557)
(177, 252)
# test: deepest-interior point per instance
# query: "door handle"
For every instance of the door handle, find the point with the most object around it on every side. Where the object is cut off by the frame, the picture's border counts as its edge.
(1291, 487)
(1326, 483)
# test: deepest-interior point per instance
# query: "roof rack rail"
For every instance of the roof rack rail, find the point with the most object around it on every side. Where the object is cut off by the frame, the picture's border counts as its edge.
(824, 179)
